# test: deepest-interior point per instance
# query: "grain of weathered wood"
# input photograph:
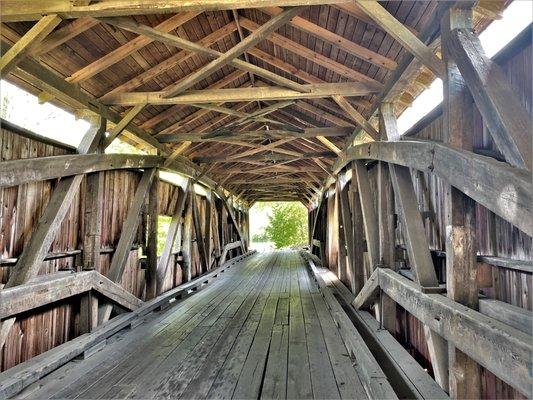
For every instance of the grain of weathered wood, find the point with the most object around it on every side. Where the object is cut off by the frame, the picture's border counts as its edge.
(268, 93)
(507, 119)
(18, 172)
(305, 52)
(348, 231)
(184, 44)
(19, 377)
(416, 241)
(129, 229)
(186, 244)
(388, 351)
(28, 42)
(323, 380)
(222, 342)
(370, 220)
(151, 240)
(199, 234)
(385, 211)
(503, 350)
(30, 260)
(403, 35)
(52, 83)
(356, 116)
(51, 288)
(245, 314)
(177, 219)
(460, 210)
(337, 40)
(496, 183)
(511, 315)
(372, 377)
(14, 12)
(93, 221)
(64, 34)
(235, 51)
(128, 48)
(123, 123)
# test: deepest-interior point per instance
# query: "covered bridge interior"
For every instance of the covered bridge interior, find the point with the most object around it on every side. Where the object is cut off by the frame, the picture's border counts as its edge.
(417, 279)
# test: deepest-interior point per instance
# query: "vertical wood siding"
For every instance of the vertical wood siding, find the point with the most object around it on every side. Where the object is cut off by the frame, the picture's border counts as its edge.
(20, 208)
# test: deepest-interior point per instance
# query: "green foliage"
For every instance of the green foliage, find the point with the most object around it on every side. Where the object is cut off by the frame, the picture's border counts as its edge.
(260, 237)
(163, 223)
(287, 224)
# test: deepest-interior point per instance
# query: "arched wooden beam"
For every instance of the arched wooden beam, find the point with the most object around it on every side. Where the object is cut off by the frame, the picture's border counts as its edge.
(18, 172)
(505, 190)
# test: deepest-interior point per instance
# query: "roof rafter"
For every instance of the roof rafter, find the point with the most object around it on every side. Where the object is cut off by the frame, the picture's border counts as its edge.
(176, 41)
(336, 40)
(27, 43)
(129, 48)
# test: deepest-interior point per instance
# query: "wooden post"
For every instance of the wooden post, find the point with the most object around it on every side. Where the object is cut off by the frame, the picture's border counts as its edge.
(200, 237)
(88, 312)
(94, 197)
(172, 237)
(347, 231)
(93, 221)
(342, 252)
(127, 236)
(370, 220)
(505, 116)
(151, 245)
(461, 266)
(416, 242)
(186, 245)
(387, 310)
(207, 233)
(358, 235)
(215, 229)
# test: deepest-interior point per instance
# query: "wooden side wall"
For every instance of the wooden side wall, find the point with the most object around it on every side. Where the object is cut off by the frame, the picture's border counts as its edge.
(20, 209)
(495, 236)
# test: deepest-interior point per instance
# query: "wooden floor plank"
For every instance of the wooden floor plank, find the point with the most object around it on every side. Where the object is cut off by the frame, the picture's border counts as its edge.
(261, 329)
(198, 306)
(299, 374)
(206, 373)
(322, 376)
(219, 373)
(275, 379)
(251, 378)
(172, 374)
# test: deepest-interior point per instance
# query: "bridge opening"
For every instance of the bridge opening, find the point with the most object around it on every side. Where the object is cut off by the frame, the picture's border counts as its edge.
(278, 225)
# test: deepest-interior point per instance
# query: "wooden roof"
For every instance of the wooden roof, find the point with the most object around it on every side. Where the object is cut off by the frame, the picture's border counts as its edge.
(275, 136)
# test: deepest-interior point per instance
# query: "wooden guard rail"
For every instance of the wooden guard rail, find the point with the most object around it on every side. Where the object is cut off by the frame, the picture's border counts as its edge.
(502, 349)
(407, 377)
(47, 289)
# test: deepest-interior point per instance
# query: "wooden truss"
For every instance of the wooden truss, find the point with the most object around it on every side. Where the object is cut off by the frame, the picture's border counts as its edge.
(248, 122)
(280, 119)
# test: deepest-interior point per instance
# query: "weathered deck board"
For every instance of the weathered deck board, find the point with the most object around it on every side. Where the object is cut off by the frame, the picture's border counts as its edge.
(261, 330)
